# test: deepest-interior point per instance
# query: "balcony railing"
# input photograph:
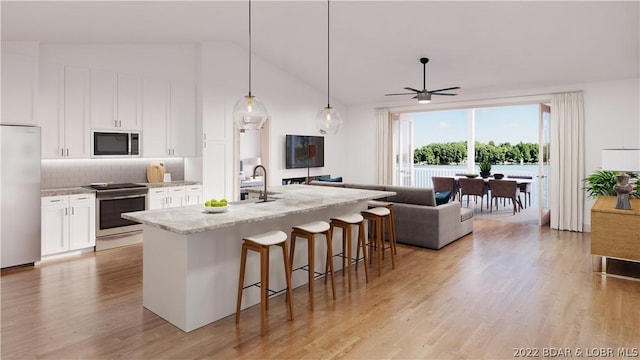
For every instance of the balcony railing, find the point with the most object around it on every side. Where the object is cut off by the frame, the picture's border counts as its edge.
(422, 178)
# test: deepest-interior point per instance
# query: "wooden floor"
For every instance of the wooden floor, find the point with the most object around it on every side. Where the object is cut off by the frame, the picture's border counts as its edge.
(505, 286)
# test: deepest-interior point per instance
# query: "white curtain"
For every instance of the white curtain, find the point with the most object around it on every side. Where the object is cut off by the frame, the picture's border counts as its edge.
(566, 196)
(382, 146)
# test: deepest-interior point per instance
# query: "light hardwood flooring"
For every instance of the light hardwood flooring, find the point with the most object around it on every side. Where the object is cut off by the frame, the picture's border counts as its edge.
(505, 286)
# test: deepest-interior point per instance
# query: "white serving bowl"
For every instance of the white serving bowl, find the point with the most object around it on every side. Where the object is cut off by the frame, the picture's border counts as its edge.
(216, 209)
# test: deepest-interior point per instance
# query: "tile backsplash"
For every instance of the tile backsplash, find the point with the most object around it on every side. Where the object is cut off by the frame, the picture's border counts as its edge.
(69, 173)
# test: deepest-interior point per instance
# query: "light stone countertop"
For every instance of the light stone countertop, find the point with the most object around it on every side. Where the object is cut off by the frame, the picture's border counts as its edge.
(80, 190)
(290, 199)
(171, 184)
(66, 191)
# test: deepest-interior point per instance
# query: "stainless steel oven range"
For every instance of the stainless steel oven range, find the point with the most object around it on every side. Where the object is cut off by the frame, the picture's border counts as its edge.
(111, 201)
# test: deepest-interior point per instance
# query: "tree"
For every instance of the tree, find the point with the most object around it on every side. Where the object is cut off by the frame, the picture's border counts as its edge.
(456, 153)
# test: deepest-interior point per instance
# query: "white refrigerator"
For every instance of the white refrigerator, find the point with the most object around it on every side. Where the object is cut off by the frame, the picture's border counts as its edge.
(19, 195)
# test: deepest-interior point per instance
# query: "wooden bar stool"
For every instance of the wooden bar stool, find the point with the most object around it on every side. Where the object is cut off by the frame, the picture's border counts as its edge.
(309, 231)
(391, 222)
(261, 243)
(344, 223)
(376, 218)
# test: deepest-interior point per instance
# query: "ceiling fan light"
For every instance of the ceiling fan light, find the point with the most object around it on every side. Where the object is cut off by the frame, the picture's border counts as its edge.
(328, 121)
(424, 98)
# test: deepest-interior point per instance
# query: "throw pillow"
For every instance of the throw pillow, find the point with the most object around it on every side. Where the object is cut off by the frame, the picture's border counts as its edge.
(324, 178)
(443, 197)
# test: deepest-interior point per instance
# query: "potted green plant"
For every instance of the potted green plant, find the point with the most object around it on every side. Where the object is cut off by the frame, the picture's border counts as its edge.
(485, 168)
(601, 183)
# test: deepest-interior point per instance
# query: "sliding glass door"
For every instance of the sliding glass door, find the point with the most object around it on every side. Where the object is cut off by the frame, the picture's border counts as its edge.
(402, 150)
(544, 138)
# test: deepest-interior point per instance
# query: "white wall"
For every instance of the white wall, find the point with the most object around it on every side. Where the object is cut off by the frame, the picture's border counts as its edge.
(162, 61)
(612, 119)
(291, 103)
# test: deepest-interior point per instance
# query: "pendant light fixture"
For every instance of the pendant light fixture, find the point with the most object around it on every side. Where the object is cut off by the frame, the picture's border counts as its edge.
(328, 120)
(249, 113)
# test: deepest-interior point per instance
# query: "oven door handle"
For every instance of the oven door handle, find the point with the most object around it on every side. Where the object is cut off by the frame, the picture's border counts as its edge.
(121, 197)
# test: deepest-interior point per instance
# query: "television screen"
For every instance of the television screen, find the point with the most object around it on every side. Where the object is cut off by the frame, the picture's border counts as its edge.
(304, 151)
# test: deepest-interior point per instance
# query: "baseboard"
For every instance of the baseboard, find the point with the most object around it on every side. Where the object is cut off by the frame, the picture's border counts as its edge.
(117, 241)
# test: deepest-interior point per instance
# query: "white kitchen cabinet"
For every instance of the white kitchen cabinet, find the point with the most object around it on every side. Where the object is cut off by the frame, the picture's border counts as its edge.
(174, 196)
(68, 223)
(156, 198)
(115, 101)
(168, 118)
(193, 195)
(82, 221)
(19, 87)
(54, 225)
(156, 96)
(64, 111)
(182, 130)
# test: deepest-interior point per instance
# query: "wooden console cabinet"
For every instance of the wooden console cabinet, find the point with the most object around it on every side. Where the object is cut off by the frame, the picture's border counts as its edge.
(615, 233)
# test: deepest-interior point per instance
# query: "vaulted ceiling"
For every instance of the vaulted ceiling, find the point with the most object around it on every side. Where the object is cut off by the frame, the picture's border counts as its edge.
(375, 45)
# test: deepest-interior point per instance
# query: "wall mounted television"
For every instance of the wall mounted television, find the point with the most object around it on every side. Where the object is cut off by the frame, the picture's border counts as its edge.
(299, 148)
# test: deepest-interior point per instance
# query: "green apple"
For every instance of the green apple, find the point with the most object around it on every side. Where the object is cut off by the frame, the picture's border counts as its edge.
(207, 203)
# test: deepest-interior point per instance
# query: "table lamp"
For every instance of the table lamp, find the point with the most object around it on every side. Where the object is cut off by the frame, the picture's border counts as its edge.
(622, 160)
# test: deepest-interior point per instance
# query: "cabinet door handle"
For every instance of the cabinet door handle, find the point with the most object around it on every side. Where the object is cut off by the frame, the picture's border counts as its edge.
(120, 123)
(61, 151)
(66, 211)
(73, 211)
(115, 123)
(57, 200)
(67, 151)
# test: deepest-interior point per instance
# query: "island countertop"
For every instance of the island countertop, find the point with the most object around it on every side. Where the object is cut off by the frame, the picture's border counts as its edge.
(289, 199)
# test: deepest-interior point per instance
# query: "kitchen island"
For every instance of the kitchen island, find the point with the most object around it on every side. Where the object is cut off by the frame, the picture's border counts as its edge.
(191, 259)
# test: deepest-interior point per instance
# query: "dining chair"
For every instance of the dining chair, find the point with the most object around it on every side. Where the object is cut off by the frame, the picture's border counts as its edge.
(524, 188)
(475, 188)
(506, 189)
(443, 184)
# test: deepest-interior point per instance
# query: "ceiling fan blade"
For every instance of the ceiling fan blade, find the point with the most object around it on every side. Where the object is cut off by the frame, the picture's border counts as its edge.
(412, 89)
(415, 97)
(445, 89)
(443, 94)
(398, 94)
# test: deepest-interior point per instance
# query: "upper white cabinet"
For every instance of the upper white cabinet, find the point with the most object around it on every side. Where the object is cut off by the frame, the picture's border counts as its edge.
(64, 111)
(19, 84)
(115, 101)
(169, 118)
(156, 96)
(182, 133)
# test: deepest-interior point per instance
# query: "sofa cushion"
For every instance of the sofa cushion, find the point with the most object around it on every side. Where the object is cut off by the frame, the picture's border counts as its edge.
(330, 179)
(410, 195)
(366, 187)
(443, 197)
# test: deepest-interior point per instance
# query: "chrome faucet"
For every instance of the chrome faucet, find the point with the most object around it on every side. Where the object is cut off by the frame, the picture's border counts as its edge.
(263, 198)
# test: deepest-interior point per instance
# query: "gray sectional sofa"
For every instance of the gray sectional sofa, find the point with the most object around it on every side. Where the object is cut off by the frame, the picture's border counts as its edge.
(418, 220)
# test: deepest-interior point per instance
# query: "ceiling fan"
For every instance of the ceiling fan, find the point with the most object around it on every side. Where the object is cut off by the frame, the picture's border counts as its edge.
(424, 95)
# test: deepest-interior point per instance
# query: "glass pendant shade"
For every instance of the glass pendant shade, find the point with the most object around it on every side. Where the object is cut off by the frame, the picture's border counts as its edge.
(249, 113)
(328, 121)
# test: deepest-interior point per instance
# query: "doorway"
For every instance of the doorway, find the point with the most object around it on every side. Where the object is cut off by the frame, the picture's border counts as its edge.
(251, 148)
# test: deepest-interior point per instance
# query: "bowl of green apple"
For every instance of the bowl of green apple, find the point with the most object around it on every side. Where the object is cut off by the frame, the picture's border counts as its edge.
(215, 206)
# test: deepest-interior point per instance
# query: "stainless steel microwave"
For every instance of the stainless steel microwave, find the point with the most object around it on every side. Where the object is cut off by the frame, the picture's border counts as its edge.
(105, 143)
